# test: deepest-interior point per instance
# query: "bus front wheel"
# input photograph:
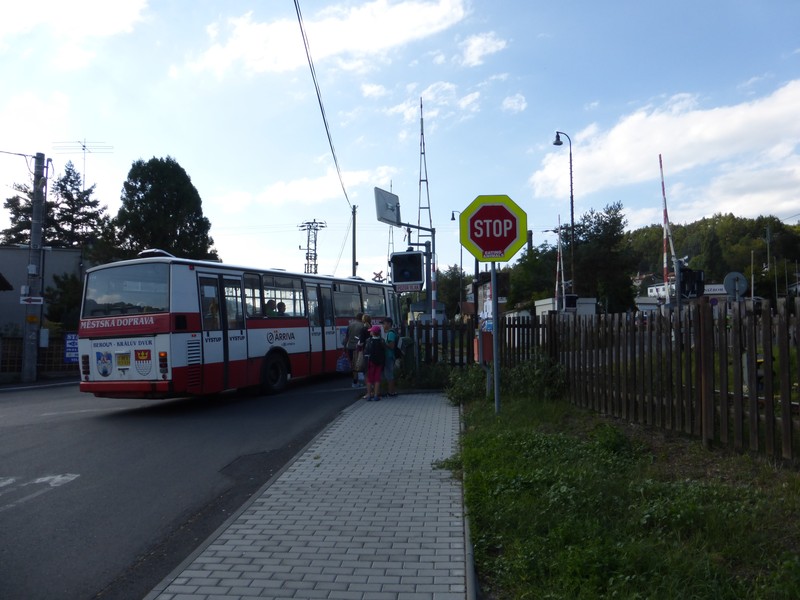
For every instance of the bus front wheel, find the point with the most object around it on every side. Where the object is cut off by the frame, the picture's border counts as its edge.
(276, 374)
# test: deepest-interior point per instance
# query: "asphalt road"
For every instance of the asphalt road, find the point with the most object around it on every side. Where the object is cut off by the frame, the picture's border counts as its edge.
(102, 498)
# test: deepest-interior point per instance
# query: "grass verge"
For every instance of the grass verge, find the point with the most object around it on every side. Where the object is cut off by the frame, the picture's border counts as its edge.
(564, 503)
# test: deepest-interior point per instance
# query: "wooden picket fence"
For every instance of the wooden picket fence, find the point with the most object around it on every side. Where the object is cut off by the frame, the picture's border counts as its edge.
(724, 374)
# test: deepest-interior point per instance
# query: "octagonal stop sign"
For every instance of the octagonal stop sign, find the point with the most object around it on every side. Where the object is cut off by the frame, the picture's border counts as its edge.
(493, 228)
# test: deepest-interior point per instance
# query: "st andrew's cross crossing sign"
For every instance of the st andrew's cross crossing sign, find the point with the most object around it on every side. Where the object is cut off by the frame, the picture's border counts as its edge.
(493, 228)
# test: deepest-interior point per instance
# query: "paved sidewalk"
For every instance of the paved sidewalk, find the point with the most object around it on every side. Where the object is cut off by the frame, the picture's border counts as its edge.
(362, 513)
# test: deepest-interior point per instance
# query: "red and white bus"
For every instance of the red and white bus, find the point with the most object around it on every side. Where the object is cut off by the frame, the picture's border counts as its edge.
(162, 327)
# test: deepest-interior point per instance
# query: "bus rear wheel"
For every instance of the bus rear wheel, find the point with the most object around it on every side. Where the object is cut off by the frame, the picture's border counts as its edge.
(275, 375)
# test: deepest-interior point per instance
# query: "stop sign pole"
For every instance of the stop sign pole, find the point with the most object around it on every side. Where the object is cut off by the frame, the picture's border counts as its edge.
(493, 229)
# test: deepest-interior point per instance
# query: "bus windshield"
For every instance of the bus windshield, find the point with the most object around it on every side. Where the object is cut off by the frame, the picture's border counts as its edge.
(127, 289)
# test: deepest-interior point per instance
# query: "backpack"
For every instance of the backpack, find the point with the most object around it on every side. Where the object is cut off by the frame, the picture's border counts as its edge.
(398, 352)
(375, 351)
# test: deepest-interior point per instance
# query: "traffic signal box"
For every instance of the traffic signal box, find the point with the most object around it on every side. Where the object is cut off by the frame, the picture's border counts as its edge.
(692, 282)
(407, 270)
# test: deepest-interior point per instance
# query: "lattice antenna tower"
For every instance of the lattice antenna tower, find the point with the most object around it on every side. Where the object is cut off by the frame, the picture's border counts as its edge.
(312, 227)
(424, 201)
(84, 147)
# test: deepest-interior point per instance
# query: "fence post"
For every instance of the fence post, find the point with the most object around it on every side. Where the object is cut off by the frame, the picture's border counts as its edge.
(706, 361)
(784, 368)
(766, 367)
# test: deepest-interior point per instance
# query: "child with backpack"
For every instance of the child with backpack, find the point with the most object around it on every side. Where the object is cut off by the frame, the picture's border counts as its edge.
(392, 352)
(375, 357)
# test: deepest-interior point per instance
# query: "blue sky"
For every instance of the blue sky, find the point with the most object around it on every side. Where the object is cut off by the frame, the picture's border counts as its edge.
(225, 89)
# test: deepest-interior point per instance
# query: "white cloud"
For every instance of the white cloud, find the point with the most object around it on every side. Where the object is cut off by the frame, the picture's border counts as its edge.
(372, 90)
(476, 47)
(353, 35)
(434, 97)
(515, 103)
(469, 103)
(72, 26)
(309, 191)
(750, 149)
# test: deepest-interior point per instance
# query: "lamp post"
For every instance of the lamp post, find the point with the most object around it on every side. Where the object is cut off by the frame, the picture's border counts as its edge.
(460, 271)
(558, 142)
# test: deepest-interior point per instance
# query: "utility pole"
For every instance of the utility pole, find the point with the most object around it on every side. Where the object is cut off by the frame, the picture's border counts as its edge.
(312, 227)
(34, 284)
(355, 262)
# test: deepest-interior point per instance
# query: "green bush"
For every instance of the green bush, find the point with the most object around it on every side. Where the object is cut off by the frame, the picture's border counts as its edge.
(539, 377)
(431, 376)
(465, 384)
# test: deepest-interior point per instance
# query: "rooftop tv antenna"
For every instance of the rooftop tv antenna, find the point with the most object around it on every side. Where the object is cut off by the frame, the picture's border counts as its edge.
(312, 227)
(84, 147)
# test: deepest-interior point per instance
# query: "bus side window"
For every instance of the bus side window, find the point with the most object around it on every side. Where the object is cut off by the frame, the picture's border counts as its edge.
(327, 306)
(252, 295)
(374, 300)
(313, 307)
(287, 295)
(268, 295)
(346, 301)
(210, 303)
(233, 304)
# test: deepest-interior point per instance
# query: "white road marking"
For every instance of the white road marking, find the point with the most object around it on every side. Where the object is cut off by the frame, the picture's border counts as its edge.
(77, 412)
(49, 481)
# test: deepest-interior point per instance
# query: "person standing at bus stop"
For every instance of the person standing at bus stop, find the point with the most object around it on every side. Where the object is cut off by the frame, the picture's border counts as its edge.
(366, 323)
(375, 356)
(388, 368)
(351, 341)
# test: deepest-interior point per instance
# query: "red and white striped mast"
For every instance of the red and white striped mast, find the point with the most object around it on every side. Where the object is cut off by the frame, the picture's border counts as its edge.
(561, 295)
(667, 234)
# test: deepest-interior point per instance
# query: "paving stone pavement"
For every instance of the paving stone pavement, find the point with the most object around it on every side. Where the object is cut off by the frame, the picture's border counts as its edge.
(363, 512)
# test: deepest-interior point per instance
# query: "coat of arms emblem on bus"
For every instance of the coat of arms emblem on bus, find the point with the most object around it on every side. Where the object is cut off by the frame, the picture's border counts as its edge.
(104, 362)
(143, 361)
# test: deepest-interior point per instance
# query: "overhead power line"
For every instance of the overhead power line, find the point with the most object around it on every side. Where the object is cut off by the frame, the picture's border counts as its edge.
(319, 99)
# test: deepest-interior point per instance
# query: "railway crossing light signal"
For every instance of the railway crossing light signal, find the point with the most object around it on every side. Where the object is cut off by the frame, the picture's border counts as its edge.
(407, 270)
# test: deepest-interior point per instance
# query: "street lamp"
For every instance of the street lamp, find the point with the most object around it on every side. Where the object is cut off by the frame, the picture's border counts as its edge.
(460, 271)
(558, 142)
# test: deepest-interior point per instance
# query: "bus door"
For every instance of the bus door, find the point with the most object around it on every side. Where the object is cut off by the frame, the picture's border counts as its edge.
(332, 345)
(224, 335)
(323, 330)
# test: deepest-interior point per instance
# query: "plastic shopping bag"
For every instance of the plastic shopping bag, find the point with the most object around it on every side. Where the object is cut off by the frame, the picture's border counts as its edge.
(343, 363)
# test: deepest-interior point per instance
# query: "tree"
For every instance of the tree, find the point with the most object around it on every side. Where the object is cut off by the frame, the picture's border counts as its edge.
(447, 289)
(647, 244)
(20, 210)
(77, 215)
(533, 277)
(604, 259)
(711, 259)
(71, 218)
(162, 209)
(64, 301)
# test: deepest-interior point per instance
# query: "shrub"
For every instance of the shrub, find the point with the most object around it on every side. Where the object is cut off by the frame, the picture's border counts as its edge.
(539, 377)
(465, 384)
